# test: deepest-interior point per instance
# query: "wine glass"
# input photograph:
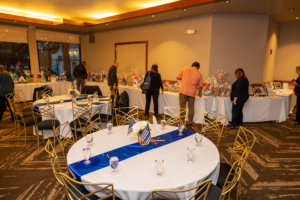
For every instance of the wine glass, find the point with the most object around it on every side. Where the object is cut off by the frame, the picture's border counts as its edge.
(109, 127)
(180, 129)
(86, 155)
(114, 162)
(190, 154)
(89, 139)
(163, 124)
(198, 138)
(159, 166)
(61, 101)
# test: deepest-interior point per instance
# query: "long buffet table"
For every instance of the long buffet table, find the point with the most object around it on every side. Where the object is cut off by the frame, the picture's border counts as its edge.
(256, 109)
(28, 88)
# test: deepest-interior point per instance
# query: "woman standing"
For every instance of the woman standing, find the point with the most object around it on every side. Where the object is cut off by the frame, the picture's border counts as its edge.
(297, 93)
(239, 95)
(6, 87)
(156, 83)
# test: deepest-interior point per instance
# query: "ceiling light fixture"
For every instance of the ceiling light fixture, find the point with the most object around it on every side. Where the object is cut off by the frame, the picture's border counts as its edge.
(297, 17)
(106, 24)
(185, 9)
(153, 15)
(291, 9)
(16, 21)
(227, 1)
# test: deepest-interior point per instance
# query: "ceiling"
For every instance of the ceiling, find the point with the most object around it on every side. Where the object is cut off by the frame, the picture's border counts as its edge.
(98, 15)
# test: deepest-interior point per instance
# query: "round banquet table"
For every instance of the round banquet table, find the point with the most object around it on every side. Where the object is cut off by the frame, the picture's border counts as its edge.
(136, 174)
(64, 112)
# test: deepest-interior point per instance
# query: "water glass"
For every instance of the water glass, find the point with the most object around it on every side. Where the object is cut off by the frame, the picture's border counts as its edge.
(96, 95)
(180, 129)
(89, 139)
(190, 154)
(109, 128)
(47, 101)
(61, 101)
(163, 124)
(86, 155)
(44, 97)
(114, 162)
(198, 138)
(159, 166)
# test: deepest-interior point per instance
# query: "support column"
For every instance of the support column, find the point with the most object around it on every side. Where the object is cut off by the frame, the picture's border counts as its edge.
(33, 53)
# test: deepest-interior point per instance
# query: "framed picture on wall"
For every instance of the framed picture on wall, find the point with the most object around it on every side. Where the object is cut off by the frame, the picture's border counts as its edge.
(261, 91)
(277, 85)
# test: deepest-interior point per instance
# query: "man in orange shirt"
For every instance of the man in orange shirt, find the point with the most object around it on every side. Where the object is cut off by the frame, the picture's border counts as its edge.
(190, 78)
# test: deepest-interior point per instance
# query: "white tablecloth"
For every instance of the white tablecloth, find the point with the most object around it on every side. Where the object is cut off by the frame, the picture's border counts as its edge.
(136, 178)
(136, 98)
(289, 101)
(28, 89)
(256, 109)
(64, 114)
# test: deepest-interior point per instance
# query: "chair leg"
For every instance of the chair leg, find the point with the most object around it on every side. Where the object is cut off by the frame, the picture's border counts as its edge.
(19, 133)
(37, 137)
(237, 190)
(25, 133)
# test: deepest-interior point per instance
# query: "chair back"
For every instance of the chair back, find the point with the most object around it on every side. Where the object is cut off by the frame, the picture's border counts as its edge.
(245, 139)
(113, 95)
(124, 114)
(234, 175)
(64, 135)
(200, 194)
(45, 91)
(175, 116)
(213, 122)
(10, 99)
(93, 124)
(19, 96)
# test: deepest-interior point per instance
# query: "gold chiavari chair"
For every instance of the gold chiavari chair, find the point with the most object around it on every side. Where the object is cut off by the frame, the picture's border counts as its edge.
(175, 116)
(215, 123)
(74, 189)
(64, 135)
(45, 91)
(21, 119)
(94, 123)
(81, 114)
(113, 95)
(245, 140)
(201, 192)
(19, 96)
(124, 114)
(49, 123)
(11, 97)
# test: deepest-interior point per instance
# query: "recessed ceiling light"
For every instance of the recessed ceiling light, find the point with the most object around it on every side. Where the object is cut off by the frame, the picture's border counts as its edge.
(297, 17)
(16, 21)
(291, 9)
(185, 9)
(106, 24)
(153, 15)
(227, 1)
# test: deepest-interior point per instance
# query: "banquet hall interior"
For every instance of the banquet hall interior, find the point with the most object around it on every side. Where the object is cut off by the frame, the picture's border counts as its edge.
(65, 140)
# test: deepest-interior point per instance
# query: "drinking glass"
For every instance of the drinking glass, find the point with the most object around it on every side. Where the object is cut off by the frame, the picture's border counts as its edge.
(190, 154)
(86, 155)
(61, 101)
(96, 95)
(73, 99)
(44, 97)
(89, 139)
(163, 124)
(114, 162)
(180, 129)
(159, 166)
(198, 138)
(109, 127)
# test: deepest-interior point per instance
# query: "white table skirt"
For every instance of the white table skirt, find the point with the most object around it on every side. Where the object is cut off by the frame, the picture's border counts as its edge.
(28, 89)
(136, 178)
(66, 114)
(255, 109)
(289, 101)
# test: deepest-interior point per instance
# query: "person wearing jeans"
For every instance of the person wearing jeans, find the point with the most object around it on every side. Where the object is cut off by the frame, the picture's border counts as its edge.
(81, 74)
(190, 78)
(153, 92)
(6, 87)
(239, 95)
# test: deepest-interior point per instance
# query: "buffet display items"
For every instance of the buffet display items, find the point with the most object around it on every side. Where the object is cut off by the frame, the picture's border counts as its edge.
(36, 78)
(172, 87)
(96, 76)
(130, 79)
(217, 85)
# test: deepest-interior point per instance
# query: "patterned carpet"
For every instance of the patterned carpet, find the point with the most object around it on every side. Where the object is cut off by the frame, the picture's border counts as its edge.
(272, 170)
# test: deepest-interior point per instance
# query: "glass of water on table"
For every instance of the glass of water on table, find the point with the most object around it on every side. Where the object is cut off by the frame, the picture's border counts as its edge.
(109, 128)
(114, 163)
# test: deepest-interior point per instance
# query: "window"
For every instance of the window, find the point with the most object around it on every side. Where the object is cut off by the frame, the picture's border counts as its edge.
(12, 53)
(56, 58)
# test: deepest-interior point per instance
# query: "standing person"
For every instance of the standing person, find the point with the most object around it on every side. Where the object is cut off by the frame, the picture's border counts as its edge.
(239, 95)
(156, 83)
(6, 87)
(190, 78)
(80, 74)
(113, 79)
(297, 93)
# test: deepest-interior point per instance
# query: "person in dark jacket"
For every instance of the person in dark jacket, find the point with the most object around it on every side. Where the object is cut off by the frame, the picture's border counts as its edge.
(239, 95)
(6, 87)
(297, 93)
(80, 74)
(112, 79)
(153, 92)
